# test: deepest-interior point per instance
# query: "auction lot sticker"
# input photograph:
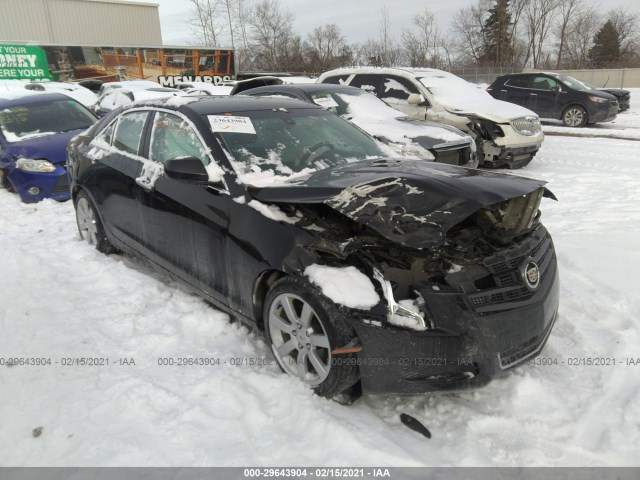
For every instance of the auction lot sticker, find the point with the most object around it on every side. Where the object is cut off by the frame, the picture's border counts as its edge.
(231, 124)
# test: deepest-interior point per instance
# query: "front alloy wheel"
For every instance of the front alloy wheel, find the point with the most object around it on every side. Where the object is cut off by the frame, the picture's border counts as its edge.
(574, 116)
(304, 328)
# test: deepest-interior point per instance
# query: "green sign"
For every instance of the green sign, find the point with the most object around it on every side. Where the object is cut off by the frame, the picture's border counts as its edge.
(23, 62)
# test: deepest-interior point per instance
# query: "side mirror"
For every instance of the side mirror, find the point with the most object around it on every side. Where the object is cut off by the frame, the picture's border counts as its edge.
(415, 99)
(190, 169)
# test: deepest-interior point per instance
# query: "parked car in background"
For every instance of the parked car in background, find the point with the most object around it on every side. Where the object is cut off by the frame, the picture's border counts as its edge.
(74, 90)
(556, 96)
(127, 85)
(418, 138)
(34, 131)
(505, 134)
(356, 266)
(79, 93)
(117, 97)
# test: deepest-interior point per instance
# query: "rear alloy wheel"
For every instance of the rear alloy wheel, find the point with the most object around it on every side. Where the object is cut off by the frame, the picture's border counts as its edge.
(304, 328)
(575, 116)
(90, 226)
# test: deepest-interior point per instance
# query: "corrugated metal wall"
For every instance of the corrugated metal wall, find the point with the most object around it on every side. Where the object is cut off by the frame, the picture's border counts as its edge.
(74, 22)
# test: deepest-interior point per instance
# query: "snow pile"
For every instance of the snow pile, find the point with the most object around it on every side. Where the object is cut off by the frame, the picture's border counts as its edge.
(346, 286)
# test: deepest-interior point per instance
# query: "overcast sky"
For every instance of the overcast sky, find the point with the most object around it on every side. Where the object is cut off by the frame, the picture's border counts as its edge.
(357, 19)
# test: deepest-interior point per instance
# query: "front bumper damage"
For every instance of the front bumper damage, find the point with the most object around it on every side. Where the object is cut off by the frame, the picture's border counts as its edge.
(470, 337)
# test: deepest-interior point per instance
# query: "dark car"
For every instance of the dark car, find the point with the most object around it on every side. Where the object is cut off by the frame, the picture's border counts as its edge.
(420, 138)
(403, 275)
(34, 131)
(556, 96)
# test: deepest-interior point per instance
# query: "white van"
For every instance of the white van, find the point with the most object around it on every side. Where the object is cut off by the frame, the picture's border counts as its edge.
(506, 134)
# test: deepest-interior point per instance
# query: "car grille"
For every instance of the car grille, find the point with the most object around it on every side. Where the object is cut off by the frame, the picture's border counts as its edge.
(62, 185)
(504, 268)
(515, 355)
(526, 125)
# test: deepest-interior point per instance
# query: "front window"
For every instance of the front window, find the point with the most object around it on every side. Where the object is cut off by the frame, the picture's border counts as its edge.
(173, 137)
(283, 143)
(572, 82)
(129, 132)
(38, 119)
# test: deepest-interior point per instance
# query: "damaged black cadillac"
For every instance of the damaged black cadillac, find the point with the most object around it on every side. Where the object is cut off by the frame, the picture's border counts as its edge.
(363, 271)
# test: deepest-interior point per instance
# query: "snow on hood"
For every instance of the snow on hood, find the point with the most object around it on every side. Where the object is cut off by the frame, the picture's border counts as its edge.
(51, 146)
(463, 98)
(410, 202)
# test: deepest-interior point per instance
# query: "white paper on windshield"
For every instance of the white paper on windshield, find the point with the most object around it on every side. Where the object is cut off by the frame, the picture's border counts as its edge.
(326, 102)
(231, 124)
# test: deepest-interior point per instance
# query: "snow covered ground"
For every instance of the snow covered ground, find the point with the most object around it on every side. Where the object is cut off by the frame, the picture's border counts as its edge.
(61, 299)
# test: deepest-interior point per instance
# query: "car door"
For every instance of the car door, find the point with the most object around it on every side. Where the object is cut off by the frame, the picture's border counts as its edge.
(546, 91)
(185, 223)
(116, 152)
(518, 90)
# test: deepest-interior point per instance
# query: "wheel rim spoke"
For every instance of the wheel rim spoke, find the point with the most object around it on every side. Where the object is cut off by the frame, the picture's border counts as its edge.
(318, 340)
(286, 348)
(288, 308)
(306, 315)
(301, 367)
(280, 324)
(320, 367)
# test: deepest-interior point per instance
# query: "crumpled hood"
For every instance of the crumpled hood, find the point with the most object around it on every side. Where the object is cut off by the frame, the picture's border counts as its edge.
(49, 147)
(410, 202)
(491, 109)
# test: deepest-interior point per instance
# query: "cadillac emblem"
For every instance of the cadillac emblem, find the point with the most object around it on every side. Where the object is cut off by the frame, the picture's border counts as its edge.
(531, 275)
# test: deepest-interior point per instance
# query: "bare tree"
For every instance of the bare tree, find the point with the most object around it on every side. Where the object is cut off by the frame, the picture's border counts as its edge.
(272, 29)
(204, 21)
(627, 26)
(538, 17)
(421, 45)
(326, 44)
(579, 37)
(467, 25)
(389, 53)
(567, 10)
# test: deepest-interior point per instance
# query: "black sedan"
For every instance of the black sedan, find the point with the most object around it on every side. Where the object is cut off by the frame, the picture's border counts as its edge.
(407, 136)
(556, 96)
(363, 271)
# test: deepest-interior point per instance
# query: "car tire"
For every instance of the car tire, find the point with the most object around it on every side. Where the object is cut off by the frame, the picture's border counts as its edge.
(4, 181)
(304, 328)
(575, 116)
(89, 224)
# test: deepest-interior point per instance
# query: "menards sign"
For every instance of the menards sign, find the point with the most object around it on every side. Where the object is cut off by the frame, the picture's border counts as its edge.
(23, 62)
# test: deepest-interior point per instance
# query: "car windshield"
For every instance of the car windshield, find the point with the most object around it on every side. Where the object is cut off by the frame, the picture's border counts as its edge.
(37, 119)
(276, 145)
(573, 83)
(449, 89)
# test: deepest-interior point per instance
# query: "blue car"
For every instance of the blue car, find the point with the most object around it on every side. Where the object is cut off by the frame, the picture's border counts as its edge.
(34, 132)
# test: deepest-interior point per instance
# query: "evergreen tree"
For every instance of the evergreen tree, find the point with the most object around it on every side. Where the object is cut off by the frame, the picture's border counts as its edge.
(606, 46)
(497, 35)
